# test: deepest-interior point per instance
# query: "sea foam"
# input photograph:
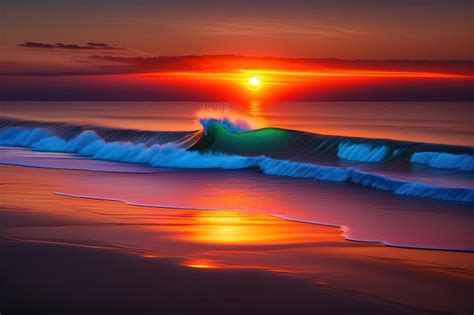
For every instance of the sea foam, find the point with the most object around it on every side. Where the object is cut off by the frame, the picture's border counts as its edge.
(88, 143)
(463, 162)
(362, 152)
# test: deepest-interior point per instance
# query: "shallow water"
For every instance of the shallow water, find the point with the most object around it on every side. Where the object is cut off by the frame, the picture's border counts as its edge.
(362, 213)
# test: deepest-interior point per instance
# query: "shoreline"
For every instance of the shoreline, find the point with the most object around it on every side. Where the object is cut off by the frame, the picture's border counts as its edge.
(310, 267)
(342, 228)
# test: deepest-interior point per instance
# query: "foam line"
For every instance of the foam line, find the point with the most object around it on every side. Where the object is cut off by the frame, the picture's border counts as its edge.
(88, 143)
(463, 162)
(344, 229)
(135, 204)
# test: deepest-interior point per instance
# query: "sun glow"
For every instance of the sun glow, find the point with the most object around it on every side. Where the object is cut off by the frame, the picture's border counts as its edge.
(254, 83)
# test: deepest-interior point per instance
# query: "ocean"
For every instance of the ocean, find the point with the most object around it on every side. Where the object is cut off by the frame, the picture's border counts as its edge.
(396, 173)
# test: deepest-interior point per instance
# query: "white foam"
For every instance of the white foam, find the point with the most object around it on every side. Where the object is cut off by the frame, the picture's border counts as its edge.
(172, 156)
(362, 152)
(463, 162)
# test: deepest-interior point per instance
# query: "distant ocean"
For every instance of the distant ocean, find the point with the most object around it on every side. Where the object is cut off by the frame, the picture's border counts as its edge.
(396, 173)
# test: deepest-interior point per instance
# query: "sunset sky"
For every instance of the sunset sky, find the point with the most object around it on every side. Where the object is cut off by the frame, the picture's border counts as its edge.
(108, 50)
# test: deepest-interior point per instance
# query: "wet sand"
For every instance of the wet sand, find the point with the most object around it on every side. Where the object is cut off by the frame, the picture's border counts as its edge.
(69, 255)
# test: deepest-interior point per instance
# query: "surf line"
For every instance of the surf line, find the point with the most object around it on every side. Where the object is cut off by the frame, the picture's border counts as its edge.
(136, 204)
(344, 229)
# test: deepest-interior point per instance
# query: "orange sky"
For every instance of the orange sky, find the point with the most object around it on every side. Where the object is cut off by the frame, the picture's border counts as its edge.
(365, 29)
(194, 50)
(186, 81)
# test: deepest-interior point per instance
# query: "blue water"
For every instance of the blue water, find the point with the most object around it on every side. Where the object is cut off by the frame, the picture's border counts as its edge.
(429, 187)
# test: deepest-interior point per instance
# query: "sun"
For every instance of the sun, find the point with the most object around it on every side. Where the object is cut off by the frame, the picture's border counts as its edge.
(254, 83)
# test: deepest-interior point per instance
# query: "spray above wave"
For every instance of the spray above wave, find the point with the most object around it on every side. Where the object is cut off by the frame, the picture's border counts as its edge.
(88, 143)
(228, 119)
(232, 126)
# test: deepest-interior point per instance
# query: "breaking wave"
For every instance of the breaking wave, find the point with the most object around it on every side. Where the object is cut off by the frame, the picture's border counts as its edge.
(272, 151)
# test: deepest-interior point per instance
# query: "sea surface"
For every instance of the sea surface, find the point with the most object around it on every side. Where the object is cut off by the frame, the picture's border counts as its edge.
(396, 173)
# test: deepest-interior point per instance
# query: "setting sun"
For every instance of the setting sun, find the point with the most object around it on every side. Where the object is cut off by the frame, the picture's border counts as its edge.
(254, 83)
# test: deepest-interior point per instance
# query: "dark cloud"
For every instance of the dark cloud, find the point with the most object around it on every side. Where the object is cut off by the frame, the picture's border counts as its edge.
(35, 45)
(97, 44)
(88, 46)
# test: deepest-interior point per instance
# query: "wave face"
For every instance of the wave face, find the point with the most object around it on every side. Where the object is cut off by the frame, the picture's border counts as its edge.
(263, 149)
(308, 147)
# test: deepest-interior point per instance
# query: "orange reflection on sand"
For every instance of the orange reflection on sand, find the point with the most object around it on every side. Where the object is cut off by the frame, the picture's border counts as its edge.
(150, 256)
(233, 228)
(200, 263)
(223, 227)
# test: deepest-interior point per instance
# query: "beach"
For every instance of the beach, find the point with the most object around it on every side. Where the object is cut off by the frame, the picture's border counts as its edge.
(80, 255)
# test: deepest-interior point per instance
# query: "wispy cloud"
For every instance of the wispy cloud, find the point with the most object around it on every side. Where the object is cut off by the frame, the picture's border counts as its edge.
(251, 26)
